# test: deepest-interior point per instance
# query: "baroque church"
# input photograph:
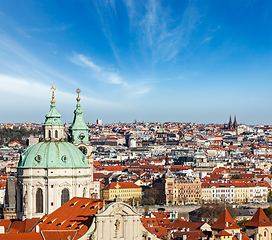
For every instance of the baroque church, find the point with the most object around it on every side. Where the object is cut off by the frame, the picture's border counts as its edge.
(55, 169)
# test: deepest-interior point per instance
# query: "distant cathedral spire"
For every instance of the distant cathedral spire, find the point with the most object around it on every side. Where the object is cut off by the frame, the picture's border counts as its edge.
(230, 123)
(235, 124)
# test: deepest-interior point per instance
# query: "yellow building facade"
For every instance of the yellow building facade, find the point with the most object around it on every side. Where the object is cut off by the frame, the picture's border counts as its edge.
(122, 190)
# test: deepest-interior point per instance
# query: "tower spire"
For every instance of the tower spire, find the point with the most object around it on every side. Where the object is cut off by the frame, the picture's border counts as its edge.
(78, 130)
(53, 127)
(230, 123)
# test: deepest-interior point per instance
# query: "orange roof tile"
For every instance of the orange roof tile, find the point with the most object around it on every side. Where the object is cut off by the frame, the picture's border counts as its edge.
(259, 219)
(76, 214)
(223, 233)
(225, 221)
(115, 185)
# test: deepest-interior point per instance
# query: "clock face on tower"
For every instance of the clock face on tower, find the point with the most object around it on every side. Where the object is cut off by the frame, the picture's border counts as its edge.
(83, 149)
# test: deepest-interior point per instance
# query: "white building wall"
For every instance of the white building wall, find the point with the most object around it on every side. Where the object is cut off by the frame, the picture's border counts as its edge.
(52, 182)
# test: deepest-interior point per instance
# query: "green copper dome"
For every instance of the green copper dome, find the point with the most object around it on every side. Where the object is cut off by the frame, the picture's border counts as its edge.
(53, 155)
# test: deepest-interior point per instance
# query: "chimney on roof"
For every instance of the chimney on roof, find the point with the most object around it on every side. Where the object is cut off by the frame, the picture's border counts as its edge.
(184, 237)
(37, 228)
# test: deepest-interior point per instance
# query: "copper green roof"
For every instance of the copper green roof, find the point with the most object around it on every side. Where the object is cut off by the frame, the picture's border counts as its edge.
(53, 155)
(53, 117)
(78, 130)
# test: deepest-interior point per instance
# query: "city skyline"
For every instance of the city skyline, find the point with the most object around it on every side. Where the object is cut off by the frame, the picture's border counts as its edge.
(153, 61)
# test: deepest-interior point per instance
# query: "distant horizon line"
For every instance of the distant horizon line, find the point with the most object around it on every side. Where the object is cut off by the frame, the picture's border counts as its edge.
(88, 123)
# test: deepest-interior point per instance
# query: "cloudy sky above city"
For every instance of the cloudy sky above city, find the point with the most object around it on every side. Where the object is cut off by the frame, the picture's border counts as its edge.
(185, 61)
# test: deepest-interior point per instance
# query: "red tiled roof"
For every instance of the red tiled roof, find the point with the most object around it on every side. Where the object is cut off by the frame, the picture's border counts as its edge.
(76, 214)
(180, 224)
(244, 237)
(190, 234)
(147, 222)
(113, 185)
(160, 232)
(225, 221)
(22, 226)
(259, 219)
(21, 236)
(5, 223)
(223, 233)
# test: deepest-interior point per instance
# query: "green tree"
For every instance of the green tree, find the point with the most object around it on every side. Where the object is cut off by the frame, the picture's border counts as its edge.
(268, 212)
(146, 210)
(242, 224)
(269, 197)
(236, 176)
(212, 211)
(150, 196)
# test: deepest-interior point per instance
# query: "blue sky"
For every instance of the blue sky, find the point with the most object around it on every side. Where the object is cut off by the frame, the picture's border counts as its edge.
(150, 60)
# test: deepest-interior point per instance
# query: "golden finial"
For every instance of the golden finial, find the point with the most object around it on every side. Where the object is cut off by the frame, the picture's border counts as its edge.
(78, 92)
(53, 89)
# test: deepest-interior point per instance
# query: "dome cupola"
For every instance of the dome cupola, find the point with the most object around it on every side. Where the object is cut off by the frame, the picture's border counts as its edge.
(53, 127)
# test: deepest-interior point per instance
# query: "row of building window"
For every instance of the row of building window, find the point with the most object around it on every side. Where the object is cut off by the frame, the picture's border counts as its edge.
(65, 196)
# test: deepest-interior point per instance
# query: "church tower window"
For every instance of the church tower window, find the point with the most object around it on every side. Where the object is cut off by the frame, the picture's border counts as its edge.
(64, 196)
(49, 134)
(56, 134)
(39, 201)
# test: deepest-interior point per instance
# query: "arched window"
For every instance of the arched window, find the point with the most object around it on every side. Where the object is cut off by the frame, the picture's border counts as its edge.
(39, 201)
(56, 134)
(49, 134)
(64, 196)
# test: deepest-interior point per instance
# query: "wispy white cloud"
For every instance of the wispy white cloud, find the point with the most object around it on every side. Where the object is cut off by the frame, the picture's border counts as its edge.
(102, 73)
(164, 36)
(207, 39)
(82, 60)
(112, 76)
(214, 30)
(39, 91)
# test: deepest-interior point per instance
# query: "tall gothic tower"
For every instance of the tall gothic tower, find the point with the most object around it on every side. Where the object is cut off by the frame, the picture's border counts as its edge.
(230, 124)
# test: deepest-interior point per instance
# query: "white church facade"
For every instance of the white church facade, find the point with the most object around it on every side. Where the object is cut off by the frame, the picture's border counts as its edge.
(54, 170)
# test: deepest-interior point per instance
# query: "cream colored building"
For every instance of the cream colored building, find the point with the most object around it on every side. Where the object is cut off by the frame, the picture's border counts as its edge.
(122, 190)
(241, 192)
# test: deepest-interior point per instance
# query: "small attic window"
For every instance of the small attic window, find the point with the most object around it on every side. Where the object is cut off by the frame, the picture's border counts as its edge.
(83, 206)
(72, 204)
(77, 228)
(59, 224)
(49, 222)
(263, 220)
(69, 226)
